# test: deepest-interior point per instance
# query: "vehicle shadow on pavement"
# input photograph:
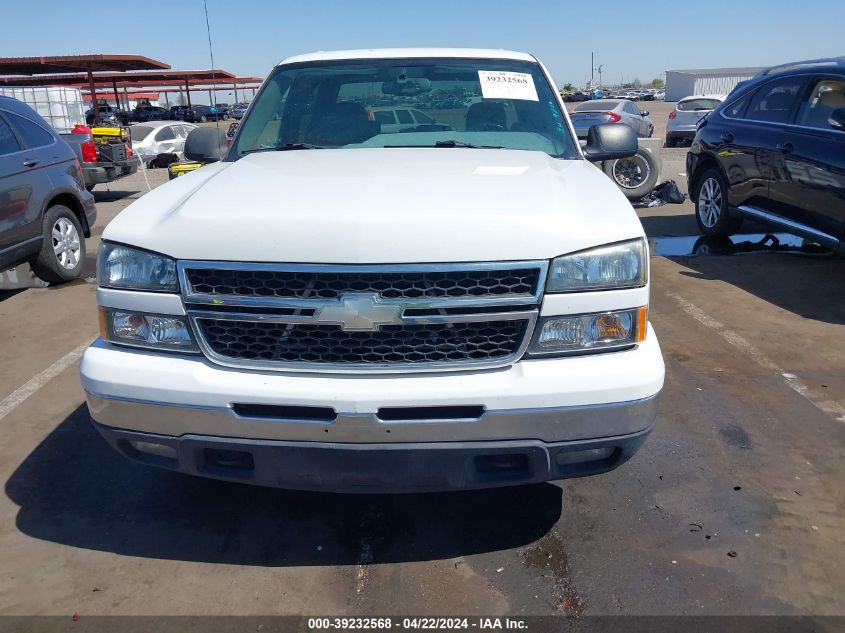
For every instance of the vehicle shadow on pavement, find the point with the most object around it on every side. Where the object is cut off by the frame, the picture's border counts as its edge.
(112, 195)
(73, 489)
(810, 286)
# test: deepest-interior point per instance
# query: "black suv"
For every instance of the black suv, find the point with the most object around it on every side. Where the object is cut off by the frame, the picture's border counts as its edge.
(45, 211)
(774, 151)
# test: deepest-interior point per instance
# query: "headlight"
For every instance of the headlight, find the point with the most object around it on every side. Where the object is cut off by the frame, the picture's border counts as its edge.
(610, 267)
(159, 331)
(131, 268)
(589, 332)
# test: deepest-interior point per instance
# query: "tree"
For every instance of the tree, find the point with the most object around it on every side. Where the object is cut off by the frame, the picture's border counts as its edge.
(568, 87)
(636, 83)
(657, 83)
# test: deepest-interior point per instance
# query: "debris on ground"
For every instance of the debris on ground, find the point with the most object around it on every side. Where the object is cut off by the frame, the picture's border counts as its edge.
(732, 554)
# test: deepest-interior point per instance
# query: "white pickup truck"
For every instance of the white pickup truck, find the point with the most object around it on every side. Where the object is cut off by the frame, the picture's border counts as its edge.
(333, 306)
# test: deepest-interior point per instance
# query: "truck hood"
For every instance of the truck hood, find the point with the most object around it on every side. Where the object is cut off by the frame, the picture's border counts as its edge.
(361, 206)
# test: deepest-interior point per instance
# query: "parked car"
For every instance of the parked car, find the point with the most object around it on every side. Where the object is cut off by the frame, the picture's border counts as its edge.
(660, 95)
(578, 95)
(688, 113)
(623, 111)
(147, 113)
(45, 211)
(203, 113)
(108, 115)
(336, 350)
(774, 151)
(159, 143)
(176, 113)
(394, 119)
(238, 110)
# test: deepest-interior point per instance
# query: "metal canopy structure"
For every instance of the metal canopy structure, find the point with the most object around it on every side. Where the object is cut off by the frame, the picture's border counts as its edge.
(187, 80)
(31, 67)
(130, 88)
(77, 63)
(135, 78)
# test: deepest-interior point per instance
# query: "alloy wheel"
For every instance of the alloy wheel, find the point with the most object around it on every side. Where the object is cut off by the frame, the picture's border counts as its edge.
(66, 243)
(710, 202)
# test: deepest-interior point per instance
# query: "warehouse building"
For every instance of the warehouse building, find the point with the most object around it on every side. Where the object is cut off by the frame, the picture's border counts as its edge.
(705, 81)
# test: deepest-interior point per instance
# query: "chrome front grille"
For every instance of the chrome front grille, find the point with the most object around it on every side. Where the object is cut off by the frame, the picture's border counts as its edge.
(426, 317)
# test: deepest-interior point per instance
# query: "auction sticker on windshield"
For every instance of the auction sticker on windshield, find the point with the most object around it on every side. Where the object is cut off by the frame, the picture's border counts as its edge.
(500, 84)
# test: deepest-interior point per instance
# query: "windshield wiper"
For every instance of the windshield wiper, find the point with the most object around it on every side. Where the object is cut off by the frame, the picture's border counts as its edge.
(452, 143)
(284, 147)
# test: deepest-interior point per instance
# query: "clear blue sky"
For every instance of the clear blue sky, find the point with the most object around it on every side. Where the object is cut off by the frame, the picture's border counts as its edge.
(631, 38)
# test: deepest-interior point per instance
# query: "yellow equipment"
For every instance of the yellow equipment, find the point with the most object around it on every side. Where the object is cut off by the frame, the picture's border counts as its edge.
(180, 169)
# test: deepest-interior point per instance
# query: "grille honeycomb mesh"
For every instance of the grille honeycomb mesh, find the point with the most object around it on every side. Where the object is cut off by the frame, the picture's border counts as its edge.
(390, 285)
(392, 344)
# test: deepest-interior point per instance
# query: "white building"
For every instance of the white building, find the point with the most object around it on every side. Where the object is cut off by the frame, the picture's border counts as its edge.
(705, 81)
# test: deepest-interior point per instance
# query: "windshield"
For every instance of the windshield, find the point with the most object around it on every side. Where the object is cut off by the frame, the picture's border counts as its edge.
(406, 103)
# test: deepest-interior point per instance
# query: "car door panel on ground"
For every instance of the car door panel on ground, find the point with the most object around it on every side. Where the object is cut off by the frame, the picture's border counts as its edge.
(812, 182)
(24, 181)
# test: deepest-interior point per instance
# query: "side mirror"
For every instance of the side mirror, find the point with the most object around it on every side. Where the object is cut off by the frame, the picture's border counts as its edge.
(206, 145)
(610, 141)
(644, 113)
(836, 120)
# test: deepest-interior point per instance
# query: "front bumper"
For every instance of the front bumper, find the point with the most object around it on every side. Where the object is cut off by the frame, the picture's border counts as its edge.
(528, 413)
(377, 468)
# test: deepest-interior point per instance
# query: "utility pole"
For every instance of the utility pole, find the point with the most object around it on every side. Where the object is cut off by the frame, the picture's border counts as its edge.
(592, 68)
(599, 69)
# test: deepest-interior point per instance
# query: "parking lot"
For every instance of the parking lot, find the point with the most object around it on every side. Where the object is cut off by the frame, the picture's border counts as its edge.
(735, 505)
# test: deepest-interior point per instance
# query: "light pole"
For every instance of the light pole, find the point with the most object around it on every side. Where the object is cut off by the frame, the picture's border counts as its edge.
(599, 69)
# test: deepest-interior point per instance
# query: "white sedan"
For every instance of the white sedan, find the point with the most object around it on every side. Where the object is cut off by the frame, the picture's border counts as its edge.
(159, 143)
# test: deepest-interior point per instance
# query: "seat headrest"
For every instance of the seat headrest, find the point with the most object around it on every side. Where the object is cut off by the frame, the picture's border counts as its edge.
(486, 116)
(833, 99)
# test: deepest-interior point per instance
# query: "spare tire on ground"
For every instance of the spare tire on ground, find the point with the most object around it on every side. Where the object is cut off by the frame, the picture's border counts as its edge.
(635, 175)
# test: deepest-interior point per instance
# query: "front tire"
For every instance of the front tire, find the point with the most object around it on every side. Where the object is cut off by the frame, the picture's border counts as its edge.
(711, 205)
(203, 119)
(62, 255)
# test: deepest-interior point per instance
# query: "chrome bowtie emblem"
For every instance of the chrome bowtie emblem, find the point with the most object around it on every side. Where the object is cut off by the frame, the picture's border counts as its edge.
(361, 312)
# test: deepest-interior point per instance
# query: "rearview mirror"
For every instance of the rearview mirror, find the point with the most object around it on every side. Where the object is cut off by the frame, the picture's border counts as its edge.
(206, 145)
(610, 141)
(407, 87)
(836, 119)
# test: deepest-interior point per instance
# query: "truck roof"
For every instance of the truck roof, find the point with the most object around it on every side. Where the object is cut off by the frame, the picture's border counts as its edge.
(409, 53)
